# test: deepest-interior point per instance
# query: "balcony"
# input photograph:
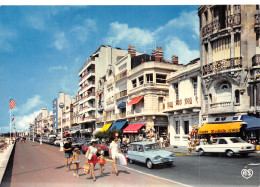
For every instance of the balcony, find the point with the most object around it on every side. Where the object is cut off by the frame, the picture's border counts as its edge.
(225, 64)
(89, 60)
(211, 28)
(121, 75)
(88, 72)
(233, 20)
(169, 105)
(120, 94)
(178, 102)
(110, 118)
(122, 115)
(221, 107)
(188, 101)
(256, 60)
(257, 20)
(110, 100)
(91, 117)
(100, 119)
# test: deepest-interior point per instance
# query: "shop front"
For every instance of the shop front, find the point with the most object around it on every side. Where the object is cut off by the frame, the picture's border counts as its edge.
(253, 128)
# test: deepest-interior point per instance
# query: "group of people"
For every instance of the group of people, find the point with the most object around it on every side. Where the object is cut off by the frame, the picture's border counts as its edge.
(94, 155)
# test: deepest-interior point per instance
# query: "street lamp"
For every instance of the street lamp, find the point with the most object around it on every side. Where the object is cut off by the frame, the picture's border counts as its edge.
(61, 105)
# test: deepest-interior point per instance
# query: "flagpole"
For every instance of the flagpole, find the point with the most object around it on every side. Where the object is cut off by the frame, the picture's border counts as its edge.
(10, 125)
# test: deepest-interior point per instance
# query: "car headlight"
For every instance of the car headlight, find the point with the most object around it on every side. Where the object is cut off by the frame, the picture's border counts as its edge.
(157, 157)
(172, 155)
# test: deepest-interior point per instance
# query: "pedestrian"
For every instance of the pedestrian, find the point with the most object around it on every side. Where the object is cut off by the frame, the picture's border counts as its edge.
(162, 141)
(76, 161)
(113, 151)
(211, 138)
(153, 138)
(92, 157)
(68, 153)
(101, 160)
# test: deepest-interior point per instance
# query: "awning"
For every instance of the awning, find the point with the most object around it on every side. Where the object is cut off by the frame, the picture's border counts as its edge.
(106, 127)
(253, 122)
(135, 100)
(118, 125)
(213, 128)
(133, 128)
(122, 105)
(98, 94)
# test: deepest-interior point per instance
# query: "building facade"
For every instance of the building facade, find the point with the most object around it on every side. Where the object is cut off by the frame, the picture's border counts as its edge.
(229, 53)
(184, 103)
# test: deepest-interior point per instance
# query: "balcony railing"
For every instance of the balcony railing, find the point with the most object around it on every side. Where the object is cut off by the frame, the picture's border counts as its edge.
(110, 100)
(122, 115)
(256, 60)
(221, 107)
(121, 75)
(211, 28)
(86, 63)
(179, 102)
(188, 101)
(169, 104)
(120, 94)
(89, 117)
(221, 65)
(233, 20)
(88, 72)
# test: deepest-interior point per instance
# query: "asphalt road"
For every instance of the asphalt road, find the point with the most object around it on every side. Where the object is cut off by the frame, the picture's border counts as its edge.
(44, 165)
(210, 170)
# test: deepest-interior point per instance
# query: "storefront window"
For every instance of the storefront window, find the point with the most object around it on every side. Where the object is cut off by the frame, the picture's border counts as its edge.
(186, 127)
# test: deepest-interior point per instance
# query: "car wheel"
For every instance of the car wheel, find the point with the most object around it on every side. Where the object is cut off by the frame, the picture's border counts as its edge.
(229, 153)
(149, 164)
(169, 164)
(201, 152)
(131, 161)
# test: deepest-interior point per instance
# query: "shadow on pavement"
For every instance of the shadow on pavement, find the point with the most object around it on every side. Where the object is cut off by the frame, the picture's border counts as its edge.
(59, 167)
(123, 171)
(103, 175)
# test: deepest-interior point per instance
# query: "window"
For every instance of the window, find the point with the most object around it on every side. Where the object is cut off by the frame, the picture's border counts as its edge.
(161, 78)
(222, 141)
(134, 83)
(140, 148)
(141, 80)
(237, 97)
(186, 127)
(176, 91)
(235, 118)
(177, 127)
(149, 78)
(195, 85)
(217, 119)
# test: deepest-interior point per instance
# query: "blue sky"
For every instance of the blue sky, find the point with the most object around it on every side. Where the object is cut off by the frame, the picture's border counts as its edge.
(43, 47)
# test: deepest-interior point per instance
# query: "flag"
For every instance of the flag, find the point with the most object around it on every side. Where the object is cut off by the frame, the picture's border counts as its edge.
(13, 118)
(12, 104)
(14, 124)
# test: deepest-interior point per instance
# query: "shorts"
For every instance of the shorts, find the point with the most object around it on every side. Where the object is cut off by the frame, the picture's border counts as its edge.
(115, 155)
(67, 155)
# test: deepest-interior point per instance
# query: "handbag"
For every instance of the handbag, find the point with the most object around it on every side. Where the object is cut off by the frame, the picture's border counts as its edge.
(90, 156)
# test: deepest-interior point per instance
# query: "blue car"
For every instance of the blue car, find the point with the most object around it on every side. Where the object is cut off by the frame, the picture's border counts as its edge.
(149, 153)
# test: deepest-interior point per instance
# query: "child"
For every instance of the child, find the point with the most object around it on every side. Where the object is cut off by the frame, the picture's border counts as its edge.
(76, 161)
(101, 160)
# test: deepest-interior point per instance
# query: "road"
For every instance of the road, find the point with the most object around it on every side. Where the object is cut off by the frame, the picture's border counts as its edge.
(208, 170)
(43, 165)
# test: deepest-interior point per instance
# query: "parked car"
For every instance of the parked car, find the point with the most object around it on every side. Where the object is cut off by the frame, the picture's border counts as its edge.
(228, 145)
(149, 153)
(51, 140)
(84, 148)
(58, 140)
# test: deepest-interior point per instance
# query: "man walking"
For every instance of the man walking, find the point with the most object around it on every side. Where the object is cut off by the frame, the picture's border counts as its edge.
(68, 153)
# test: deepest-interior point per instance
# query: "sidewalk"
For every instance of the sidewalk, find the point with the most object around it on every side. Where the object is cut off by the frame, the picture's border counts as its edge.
(179, 150)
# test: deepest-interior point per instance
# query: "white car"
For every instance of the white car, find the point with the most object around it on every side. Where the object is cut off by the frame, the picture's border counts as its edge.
(228, 145)
(57, 142)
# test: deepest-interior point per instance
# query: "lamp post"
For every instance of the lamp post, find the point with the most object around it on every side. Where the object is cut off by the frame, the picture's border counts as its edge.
(61, 105)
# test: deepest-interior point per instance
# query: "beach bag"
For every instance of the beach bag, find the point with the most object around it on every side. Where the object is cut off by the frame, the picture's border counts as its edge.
(122, 160)
(86, 169)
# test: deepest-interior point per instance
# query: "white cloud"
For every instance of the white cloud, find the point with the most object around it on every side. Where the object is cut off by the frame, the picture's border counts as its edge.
(61, 41)
(53, 68)
(36, 22)
(6, 35)
(135, 36)
(30, 104)
(181, 49)
(22, 122)
(82, 32)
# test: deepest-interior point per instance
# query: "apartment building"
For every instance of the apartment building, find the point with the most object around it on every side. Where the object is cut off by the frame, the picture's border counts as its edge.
(147, 91)
(184, 103)
(229, 53)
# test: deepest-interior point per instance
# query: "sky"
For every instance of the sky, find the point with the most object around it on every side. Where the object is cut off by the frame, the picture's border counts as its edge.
(43, 47)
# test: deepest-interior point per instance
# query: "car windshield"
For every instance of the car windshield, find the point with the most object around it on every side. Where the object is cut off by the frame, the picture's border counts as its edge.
(151, 147)
(237, 140)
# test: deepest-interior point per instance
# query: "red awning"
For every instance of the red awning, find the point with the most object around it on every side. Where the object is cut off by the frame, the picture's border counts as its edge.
(133, 128)
(135, 100)
(65, 134)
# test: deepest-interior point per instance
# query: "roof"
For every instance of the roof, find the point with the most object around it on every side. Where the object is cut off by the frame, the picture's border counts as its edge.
(142, 143)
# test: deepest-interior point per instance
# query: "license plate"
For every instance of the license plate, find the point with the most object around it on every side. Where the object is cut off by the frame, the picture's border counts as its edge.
(165, 159)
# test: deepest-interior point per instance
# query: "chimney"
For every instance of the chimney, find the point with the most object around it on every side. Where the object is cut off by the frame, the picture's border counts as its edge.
(175, 59)
(132, 50)
(159, 54)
